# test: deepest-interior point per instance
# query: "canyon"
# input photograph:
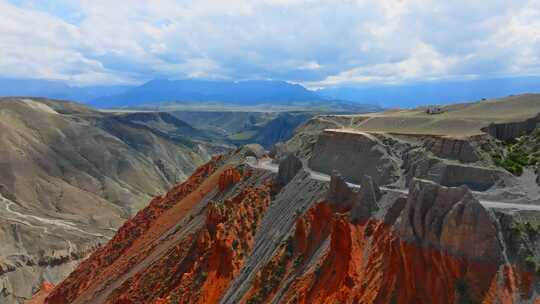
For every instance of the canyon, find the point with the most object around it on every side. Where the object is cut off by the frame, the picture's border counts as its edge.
(71, 175)
(338, 214)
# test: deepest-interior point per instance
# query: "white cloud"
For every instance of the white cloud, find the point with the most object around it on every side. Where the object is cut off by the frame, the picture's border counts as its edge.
(318, 43)
(422, 63)
(37, 45)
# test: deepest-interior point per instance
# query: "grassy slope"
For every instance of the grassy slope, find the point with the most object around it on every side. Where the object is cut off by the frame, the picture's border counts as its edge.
(465, 119)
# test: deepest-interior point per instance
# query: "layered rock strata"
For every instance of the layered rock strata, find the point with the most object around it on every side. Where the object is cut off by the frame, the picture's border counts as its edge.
(230, 240)
(353, 154)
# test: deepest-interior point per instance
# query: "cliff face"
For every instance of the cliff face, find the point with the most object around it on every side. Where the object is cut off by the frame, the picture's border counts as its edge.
(230, 235)
(511, 130)
(450, 219)
(353, 154)
(418, 164)
(452, 148)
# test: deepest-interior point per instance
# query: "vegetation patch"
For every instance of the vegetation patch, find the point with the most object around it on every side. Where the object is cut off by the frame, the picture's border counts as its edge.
(517, 154)
(521, 239)
(242, 136)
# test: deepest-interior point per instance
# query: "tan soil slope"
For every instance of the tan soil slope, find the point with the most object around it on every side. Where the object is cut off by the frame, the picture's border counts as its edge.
(69, 176)
(465, 119)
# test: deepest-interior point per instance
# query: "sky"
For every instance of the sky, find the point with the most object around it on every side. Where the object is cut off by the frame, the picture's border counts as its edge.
(315, 43)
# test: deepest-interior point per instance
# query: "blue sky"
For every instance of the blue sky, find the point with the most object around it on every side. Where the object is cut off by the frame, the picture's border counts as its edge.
(315, 43)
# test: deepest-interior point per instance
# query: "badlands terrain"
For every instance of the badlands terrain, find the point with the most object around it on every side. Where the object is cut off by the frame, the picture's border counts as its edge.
(393, 207)
(71, 175)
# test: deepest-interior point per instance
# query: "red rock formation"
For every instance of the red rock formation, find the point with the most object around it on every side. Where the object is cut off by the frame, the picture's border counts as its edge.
(45, 289)
(368, 263)
(200, 267)
(163, 256)
(229, 177)
(97, 266)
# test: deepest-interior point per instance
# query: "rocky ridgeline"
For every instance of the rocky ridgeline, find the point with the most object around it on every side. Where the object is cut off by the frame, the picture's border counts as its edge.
(235, 237)
(339, 193)
(433, 216)
(235, 234)
(450, 219)
(288, 168)
(398, 160)
(369, 196)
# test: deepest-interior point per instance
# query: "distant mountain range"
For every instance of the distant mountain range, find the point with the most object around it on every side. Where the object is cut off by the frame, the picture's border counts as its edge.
(250, 92)
(256, 92)
(56, 90)
(440, 92)
(241, 92)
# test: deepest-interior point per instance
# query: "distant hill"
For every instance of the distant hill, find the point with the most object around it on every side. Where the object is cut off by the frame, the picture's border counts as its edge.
(71, 175)
(56, 90)
(265, 128)
(240, 92)
(440, 92)
(197, 95)
(162, 91)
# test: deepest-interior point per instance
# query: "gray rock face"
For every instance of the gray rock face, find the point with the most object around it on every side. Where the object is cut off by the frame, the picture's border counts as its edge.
(538, 175)
(288, 168)
(278, 151)
(367, 204)
(340, 194)
(511, 130)
(254, 150)
(452, 148)
(450, 219)
(392, 213)
(419, 165)
(300, 194)
(353, 154)
(475, 178)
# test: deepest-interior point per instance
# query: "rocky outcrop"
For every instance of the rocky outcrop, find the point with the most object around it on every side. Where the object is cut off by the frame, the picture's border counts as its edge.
(313, 241)
(362, 203)
(368, 198)
(353, 154)
(229, 177)
(538, 175)
(254, 150)
(450, 219)
(339, 193)
(288, 168)
(511, 130)
(417, 164)
(337, 261)
(476, 178)
(202, 266)
(460, 149)
(126, 248)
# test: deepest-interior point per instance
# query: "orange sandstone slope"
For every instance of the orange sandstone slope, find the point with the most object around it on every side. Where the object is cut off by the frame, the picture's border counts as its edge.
(43, 292)
(237, 234)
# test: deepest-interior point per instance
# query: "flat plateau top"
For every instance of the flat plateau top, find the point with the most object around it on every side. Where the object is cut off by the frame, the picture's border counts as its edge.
(457, 120)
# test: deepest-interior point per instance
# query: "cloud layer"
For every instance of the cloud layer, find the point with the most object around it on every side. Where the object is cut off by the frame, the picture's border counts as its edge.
(316, 43)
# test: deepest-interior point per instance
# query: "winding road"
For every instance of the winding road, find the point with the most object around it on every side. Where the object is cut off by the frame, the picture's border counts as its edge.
(39, 222)
(267, 164)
